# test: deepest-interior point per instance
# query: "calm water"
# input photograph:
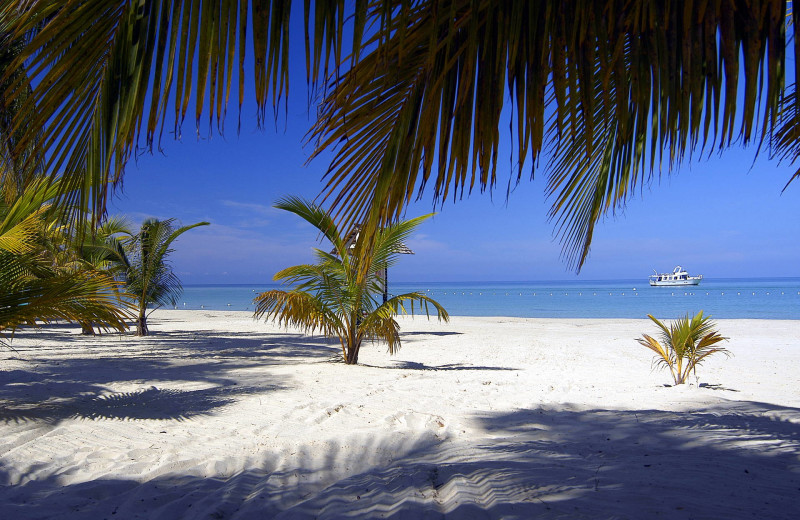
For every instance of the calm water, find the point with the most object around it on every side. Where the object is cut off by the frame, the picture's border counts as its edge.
(777, 298)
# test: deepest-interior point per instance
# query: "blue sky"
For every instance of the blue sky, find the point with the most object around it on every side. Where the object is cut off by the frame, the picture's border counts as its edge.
(721, 217)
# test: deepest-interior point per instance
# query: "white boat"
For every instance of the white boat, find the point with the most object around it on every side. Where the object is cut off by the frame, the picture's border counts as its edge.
(678, 276)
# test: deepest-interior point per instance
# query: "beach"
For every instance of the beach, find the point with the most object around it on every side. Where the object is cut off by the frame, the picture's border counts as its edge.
(216, 415)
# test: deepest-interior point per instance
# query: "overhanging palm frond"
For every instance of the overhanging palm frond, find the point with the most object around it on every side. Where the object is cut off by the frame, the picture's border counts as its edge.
(785, 140)
(103, 74)
(630, 83)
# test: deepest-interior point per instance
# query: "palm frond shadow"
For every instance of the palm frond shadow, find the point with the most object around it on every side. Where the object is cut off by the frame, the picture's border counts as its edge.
(147, 404)
(155, 403)
(413, 365)
(546, 462)
(431, 333)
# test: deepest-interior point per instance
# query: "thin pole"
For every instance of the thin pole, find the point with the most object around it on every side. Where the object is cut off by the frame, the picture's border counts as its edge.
(385, 283)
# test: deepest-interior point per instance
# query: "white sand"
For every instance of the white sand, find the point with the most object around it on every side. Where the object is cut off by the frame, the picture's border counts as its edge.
(218, 416)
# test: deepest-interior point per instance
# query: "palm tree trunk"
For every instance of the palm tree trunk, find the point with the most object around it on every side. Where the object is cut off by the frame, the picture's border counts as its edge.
(352, 354)
(87, 329)
(141, 322)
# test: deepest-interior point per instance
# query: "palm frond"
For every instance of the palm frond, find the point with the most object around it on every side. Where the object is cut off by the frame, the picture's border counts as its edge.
(150, 279)
(317, 217)
(624, 84)
(80, 296)
(100, 76)
(338, 295)
(299, 309)
(684, 344)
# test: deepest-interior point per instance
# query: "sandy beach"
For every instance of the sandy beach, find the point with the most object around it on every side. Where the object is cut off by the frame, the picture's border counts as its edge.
(219, 416)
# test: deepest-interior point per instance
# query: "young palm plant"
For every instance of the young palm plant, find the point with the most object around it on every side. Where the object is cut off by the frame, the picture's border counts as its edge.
(103, 249)
(684, 344)
(339, 295)
(150, 279)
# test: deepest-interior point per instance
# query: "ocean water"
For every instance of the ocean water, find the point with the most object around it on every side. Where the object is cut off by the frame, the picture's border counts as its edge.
(762, 298)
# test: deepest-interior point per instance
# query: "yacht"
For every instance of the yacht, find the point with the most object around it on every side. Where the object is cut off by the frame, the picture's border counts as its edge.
(678, 276)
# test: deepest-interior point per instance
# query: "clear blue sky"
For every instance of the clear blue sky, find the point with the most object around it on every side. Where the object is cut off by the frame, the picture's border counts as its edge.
(722, 217)
(719, 217)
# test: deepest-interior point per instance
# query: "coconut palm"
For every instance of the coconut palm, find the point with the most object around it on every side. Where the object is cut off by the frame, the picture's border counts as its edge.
(39, 280)
(102, 249)
(150, 279)
(684, 344)
(612, 88)
(339, 295)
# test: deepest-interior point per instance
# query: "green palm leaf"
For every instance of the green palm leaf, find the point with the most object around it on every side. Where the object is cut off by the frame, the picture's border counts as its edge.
(616, 88)
(150, 279)
(337, 296)
(684, 344)
(101, 74)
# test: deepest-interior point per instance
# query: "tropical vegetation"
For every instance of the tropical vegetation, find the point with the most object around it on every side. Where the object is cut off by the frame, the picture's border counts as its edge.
(339, 294)
(415, 92)
(684, 345)
(42, 277)
(151, 282)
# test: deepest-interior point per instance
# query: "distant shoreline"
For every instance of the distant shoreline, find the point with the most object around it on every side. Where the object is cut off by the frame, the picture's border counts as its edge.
(736, 299)
(641, 280)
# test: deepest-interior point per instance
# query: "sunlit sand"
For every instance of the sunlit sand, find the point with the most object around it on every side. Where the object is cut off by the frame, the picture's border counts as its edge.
(218, 416)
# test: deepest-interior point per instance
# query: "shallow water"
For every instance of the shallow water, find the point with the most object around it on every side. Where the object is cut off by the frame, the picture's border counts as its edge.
(763, 298)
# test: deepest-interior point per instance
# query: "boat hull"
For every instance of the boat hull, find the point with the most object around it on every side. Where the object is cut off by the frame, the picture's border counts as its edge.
(675, 283)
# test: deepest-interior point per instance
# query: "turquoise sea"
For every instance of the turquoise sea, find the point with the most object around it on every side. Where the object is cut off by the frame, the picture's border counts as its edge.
(762, 298)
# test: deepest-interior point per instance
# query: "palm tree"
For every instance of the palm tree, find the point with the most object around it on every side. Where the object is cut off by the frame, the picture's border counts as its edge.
(102, 249)
(611, 88)
(150, 280)
(39, 280)
(339, 295)
(684, 344)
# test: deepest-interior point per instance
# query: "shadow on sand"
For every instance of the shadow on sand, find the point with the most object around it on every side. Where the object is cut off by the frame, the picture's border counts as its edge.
(58, 387)
(735, 460)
